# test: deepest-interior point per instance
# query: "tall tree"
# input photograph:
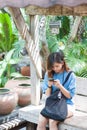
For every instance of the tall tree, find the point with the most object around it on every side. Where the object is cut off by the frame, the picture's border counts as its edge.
(74, 28)
(44, 46)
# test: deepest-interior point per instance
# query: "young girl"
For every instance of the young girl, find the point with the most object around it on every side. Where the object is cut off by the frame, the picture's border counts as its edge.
(58, 70)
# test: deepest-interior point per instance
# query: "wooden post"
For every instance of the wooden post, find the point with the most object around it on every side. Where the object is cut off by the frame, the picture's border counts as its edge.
(35, 80)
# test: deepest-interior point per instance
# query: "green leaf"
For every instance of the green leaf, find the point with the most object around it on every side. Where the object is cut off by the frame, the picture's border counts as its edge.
(6, 33)
(9, 55)
(13, 61)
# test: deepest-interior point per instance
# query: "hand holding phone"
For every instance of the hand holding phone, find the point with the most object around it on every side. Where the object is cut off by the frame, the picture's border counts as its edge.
(57, 83)
(51, 79)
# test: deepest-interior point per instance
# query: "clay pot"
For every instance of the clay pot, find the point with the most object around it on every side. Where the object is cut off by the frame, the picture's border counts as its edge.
(25, 70)
(13, 83)
(24, 94)
(8, 101)
(21, 85)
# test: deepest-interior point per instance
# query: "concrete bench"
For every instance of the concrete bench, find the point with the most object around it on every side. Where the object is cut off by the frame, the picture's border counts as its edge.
(77, 122)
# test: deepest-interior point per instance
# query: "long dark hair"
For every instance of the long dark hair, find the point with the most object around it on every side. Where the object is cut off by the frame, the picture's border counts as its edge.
(57, 57)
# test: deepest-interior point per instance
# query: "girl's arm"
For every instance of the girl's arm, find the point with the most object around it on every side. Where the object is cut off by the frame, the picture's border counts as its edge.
(62, 89)
(49, 89)
(47, 85)
(69, 90)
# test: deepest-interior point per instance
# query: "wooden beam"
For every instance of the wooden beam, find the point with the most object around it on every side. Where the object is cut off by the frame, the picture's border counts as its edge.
(80, 10)
(55, 10)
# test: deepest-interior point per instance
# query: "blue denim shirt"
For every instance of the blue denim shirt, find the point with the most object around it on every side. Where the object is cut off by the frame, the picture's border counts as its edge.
(70, 85)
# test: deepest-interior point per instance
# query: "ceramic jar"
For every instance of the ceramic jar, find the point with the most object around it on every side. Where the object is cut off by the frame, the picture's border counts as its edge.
(25, 70)
(8, 101)
(24, 94)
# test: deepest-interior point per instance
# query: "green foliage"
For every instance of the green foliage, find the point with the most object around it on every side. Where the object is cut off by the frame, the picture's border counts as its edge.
(6, 33)
(52, 39)
(84, 27)
(78, 50)
(75, 53)
(52, 43)
(76, 57)
(65, 26)
(82, 72)
(19, 45)
(5, 67)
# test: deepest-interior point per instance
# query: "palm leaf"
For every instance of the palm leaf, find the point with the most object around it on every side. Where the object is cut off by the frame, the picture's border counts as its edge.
(6, 32)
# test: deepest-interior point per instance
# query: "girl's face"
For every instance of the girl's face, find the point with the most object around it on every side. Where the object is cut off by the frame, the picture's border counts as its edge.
(57, 67)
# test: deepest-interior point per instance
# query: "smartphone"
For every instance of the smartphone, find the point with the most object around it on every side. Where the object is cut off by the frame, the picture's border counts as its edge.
(51, 79)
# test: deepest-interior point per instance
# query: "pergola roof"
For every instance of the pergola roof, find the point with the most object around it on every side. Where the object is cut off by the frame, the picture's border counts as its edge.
(41, 3)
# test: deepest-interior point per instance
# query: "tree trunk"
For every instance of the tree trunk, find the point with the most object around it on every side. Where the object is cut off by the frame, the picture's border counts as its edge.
(74, 29)
(44, 46)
